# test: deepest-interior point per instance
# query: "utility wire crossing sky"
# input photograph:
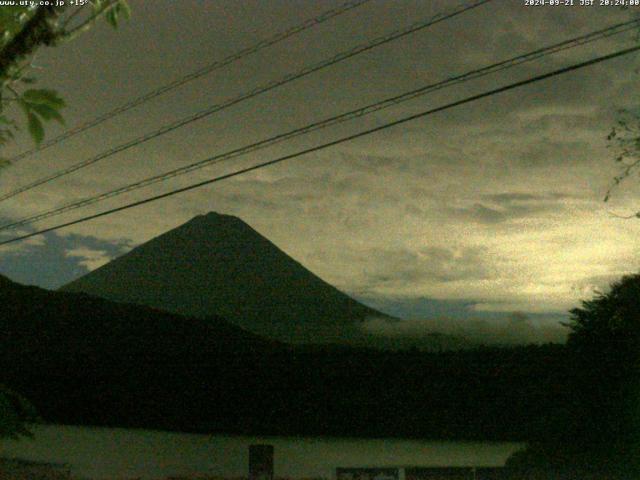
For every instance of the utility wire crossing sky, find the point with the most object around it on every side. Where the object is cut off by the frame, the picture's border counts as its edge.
(478, 211)
(245, 52)
(335, 142)
(369, 109)
(250, 94)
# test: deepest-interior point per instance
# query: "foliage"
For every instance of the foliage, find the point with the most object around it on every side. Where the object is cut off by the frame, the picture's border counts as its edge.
(12, 18)
(16, 413)
(605, 338)
(120, 10)
(38, 106)
(599, 434)
(24, 31)
(610, 322)
(624, 139)
(103, 363)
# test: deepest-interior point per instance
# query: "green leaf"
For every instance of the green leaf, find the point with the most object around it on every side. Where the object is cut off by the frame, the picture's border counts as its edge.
(112, 17)
(35, 128)
(45, 97)
(96, 6)
(47, 113)
(116, 11)
(125, 9)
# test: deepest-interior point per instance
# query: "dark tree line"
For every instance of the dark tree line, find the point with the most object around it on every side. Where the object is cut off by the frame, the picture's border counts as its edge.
(83, 360)
(597, 434)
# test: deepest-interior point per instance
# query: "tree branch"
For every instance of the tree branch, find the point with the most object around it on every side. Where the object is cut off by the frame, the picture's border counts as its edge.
(88, 21)
(37, 31)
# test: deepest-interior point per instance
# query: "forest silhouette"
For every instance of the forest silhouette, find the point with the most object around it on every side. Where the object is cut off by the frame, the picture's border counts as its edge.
(88, 361)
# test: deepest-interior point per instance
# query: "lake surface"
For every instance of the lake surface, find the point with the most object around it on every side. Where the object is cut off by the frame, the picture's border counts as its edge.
(122, 453)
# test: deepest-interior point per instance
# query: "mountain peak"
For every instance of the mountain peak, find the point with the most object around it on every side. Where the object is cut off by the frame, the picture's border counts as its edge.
(218, 264)
(215, 216)
(214, 220)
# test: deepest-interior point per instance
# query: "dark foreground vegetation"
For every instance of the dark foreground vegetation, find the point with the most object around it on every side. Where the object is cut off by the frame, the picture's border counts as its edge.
(595, 433)
(83, 360)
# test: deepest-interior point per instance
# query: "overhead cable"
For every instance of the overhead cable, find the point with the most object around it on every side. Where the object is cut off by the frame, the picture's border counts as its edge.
(326, 145)
(246, 96)
(334, 120)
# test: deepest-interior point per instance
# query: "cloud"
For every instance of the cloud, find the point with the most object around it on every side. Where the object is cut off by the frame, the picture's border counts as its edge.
(20, 247)
(517, 329)
(484, 214)
(55, 260)
(89, 258)
(498, 208)
(404, 270)
(497, 202)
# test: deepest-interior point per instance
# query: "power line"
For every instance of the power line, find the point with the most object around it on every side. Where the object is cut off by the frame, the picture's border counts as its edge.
(207, 69)
(323, 146)
(359, 112)
(246, 96)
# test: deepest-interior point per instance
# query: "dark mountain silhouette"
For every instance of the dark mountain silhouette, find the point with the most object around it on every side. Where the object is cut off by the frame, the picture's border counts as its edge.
(217, 264)
(72, 320)
(89, 361)
(84, 359)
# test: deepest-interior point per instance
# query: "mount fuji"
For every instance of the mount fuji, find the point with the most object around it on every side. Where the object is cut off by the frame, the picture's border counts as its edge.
(218, 265)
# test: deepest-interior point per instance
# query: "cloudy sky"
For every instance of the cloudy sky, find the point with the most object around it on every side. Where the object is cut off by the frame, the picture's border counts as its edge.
(483, 210)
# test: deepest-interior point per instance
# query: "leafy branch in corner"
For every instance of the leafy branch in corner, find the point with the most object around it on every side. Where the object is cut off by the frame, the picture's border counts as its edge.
(24, 31)
(624, 138)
